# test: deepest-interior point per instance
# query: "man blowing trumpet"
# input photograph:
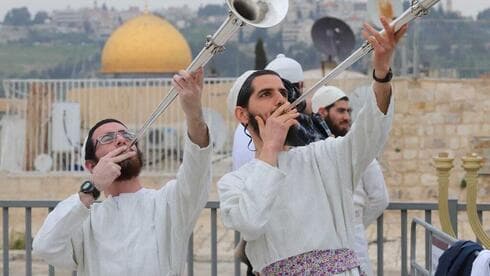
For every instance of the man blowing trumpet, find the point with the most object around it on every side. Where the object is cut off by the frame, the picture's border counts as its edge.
(294, 206)
(134, 231)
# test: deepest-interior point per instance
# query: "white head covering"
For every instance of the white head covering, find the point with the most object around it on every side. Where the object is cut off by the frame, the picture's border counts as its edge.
(82, 153)
(326, 96)
(287, 68)
(235, 89)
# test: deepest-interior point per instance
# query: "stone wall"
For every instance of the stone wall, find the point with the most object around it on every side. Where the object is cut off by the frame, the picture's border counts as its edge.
(433, 116)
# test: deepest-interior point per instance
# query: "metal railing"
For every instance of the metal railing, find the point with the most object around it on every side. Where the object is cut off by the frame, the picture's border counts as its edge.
(428, 208)
(415, 268)
(46, 121)
(402, 207)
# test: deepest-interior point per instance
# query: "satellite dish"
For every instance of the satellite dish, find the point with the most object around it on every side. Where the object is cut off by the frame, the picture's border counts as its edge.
(217, 129)
(43, 163)
(387, 8)
(333, 37)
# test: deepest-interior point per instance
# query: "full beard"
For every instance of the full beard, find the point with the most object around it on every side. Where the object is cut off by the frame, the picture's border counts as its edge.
(130, 168)
(337, 131)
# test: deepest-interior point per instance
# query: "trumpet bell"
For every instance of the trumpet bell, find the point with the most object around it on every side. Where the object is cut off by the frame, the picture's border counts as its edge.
(259, 13)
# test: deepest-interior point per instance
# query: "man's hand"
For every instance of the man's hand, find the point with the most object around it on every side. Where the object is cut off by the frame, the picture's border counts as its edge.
(384, 47)
(107, 169)
(273, 132)
(189, 87)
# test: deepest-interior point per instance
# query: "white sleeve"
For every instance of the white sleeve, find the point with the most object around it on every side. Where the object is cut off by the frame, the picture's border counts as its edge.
(188, 193)
(364, 141)
(376, 193)
(58, 239)
(241, 153)
(246, 201)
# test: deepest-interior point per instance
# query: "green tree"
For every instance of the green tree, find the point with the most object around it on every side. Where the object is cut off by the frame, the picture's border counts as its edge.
(260, 56)
(40, 17)
(483, 15)
(212, 10)
(18, 17)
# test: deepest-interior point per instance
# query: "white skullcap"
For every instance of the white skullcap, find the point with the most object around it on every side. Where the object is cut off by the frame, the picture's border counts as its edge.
(326, 96)
(235, 89)
(287, 68)
(82, 153)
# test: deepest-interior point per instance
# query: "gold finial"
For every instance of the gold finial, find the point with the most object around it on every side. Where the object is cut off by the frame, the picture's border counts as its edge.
(444, 164)
(471, 164)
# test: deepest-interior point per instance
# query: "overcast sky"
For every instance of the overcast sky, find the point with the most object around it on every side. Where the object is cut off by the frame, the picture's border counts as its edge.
(468, 7)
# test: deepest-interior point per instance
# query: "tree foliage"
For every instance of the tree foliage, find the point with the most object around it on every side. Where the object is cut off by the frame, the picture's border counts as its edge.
(18, 17)
(260, 56)
(211, 10)
(483, 15)
(40, 17)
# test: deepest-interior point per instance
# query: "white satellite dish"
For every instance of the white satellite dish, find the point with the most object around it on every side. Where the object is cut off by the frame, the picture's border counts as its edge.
(388, 8)
(43, 163)
(217, 128)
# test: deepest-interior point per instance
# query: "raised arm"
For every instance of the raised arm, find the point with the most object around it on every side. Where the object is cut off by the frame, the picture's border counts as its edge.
(189, 87)
(189, 192)
(370, 131)
(384, 47)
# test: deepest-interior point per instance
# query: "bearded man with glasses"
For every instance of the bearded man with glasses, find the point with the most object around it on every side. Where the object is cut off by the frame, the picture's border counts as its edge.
(134, 231)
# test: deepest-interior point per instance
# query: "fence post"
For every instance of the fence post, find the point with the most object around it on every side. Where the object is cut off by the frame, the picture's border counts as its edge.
(380, 245)
(190, 256)
(453, 214)
(5, 241)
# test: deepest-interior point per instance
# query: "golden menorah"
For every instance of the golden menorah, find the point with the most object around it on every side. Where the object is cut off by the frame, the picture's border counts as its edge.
(471, 164)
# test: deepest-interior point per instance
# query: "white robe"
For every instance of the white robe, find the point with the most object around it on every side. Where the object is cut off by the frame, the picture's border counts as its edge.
(142, 233)
(370, 200)
(241, 152)
(306, 203)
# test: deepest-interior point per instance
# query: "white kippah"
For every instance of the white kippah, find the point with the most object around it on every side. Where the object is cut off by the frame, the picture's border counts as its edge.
(235, 89)
(326, 96)
(287, 68)
(82, 153)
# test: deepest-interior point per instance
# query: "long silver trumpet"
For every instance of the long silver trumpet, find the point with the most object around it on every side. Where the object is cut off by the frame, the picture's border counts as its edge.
(258, 13)
(418, 8)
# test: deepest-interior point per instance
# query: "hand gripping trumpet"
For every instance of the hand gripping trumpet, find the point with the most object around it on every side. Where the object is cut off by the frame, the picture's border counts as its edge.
(418, 8)
(258, 13)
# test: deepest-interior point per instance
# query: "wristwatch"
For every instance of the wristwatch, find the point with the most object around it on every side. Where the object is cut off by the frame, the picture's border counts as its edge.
(387, 78)
(88, 187)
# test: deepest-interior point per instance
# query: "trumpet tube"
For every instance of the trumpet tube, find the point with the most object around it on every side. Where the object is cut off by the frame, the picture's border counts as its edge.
(417, 9)
(213, 46)
(258, 13)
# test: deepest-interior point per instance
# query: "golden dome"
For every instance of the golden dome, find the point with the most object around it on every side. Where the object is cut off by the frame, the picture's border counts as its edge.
(145, 44)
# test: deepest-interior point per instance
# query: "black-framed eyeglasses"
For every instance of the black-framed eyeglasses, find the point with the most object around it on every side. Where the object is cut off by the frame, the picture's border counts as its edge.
(110, 137)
